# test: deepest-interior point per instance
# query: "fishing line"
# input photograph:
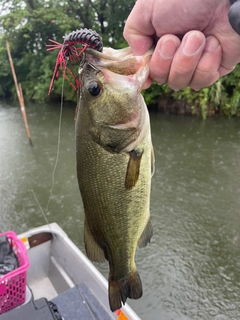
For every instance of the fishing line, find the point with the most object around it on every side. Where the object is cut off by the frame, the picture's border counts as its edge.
(58, 148)
(55, 166)
(41, 209)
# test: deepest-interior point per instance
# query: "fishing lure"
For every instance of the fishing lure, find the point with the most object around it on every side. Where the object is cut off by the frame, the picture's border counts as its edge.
(69, 51)
(85, 36)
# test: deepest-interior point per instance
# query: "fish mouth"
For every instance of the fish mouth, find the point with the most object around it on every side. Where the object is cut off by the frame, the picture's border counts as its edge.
(120, 66)
(122, 61)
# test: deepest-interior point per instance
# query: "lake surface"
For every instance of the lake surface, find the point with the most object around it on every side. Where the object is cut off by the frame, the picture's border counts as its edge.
(191, 269)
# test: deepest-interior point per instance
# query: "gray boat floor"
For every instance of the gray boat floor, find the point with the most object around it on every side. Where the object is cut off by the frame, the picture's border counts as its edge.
(80, 303)
(39, 289)
(77, 303)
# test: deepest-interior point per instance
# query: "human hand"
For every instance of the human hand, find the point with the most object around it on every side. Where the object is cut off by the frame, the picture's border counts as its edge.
(209, 48)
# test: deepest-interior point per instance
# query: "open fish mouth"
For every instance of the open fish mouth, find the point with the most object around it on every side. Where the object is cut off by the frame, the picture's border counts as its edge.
(118, 61)
(122, 62)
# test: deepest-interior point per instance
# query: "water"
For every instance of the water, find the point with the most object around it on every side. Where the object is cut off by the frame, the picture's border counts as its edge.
(191, 269)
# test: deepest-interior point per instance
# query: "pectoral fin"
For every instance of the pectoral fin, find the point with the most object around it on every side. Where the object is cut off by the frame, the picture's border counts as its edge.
(93, 250)
(146, 235)
(133, 168)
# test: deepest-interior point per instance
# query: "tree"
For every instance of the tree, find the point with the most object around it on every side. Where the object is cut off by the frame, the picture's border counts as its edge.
(29, 24)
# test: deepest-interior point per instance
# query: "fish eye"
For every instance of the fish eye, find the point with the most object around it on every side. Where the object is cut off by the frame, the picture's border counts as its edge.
(94, 89)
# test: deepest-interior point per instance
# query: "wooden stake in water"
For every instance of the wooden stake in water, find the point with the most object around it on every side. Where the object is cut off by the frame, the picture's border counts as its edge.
(19, 94)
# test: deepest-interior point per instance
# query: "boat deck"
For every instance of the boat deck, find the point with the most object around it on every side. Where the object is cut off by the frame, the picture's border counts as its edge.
(80, 303)
(61, 273)
(44, 288)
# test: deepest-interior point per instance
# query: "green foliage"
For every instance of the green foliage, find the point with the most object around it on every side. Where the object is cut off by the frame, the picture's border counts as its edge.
(223, 97)
(5, 80)
(152, 94)
(29, 24)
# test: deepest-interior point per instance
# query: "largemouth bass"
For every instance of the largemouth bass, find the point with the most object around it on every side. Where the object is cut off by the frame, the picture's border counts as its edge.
(114, 165)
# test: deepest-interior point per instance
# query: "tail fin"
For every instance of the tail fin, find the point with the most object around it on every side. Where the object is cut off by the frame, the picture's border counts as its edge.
(120, 290)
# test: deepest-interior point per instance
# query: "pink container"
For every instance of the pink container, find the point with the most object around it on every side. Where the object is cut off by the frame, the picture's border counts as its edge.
(13, 284)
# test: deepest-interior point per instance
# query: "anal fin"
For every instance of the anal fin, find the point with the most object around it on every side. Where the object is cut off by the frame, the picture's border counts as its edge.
(93, 250)
(133, 168)
(146, 235)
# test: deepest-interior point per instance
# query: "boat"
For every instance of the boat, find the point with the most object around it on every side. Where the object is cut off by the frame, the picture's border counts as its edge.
(62, 282)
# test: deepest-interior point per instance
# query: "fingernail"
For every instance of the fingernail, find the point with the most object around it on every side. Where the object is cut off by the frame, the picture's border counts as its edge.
(192, 43)
(168, 48)
(212, 43)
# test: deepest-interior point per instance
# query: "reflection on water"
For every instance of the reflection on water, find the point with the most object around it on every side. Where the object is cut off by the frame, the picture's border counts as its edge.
(191, 270)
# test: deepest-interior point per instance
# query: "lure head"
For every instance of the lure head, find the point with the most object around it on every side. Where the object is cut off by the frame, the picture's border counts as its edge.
(72, 50)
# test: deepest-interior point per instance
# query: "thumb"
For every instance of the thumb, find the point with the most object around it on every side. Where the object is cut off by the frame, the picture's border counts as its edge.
(140, 44)
(138, 30)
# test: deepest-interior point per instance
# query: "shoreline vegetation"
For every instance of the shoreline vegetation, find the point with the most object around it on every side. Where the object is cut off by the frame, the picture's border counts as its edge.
(220, 99)
(28, 25)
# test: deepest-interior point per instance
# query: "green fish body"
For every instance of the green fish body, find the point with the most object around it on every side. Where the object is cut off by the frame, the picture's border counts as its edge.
(114, 165)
